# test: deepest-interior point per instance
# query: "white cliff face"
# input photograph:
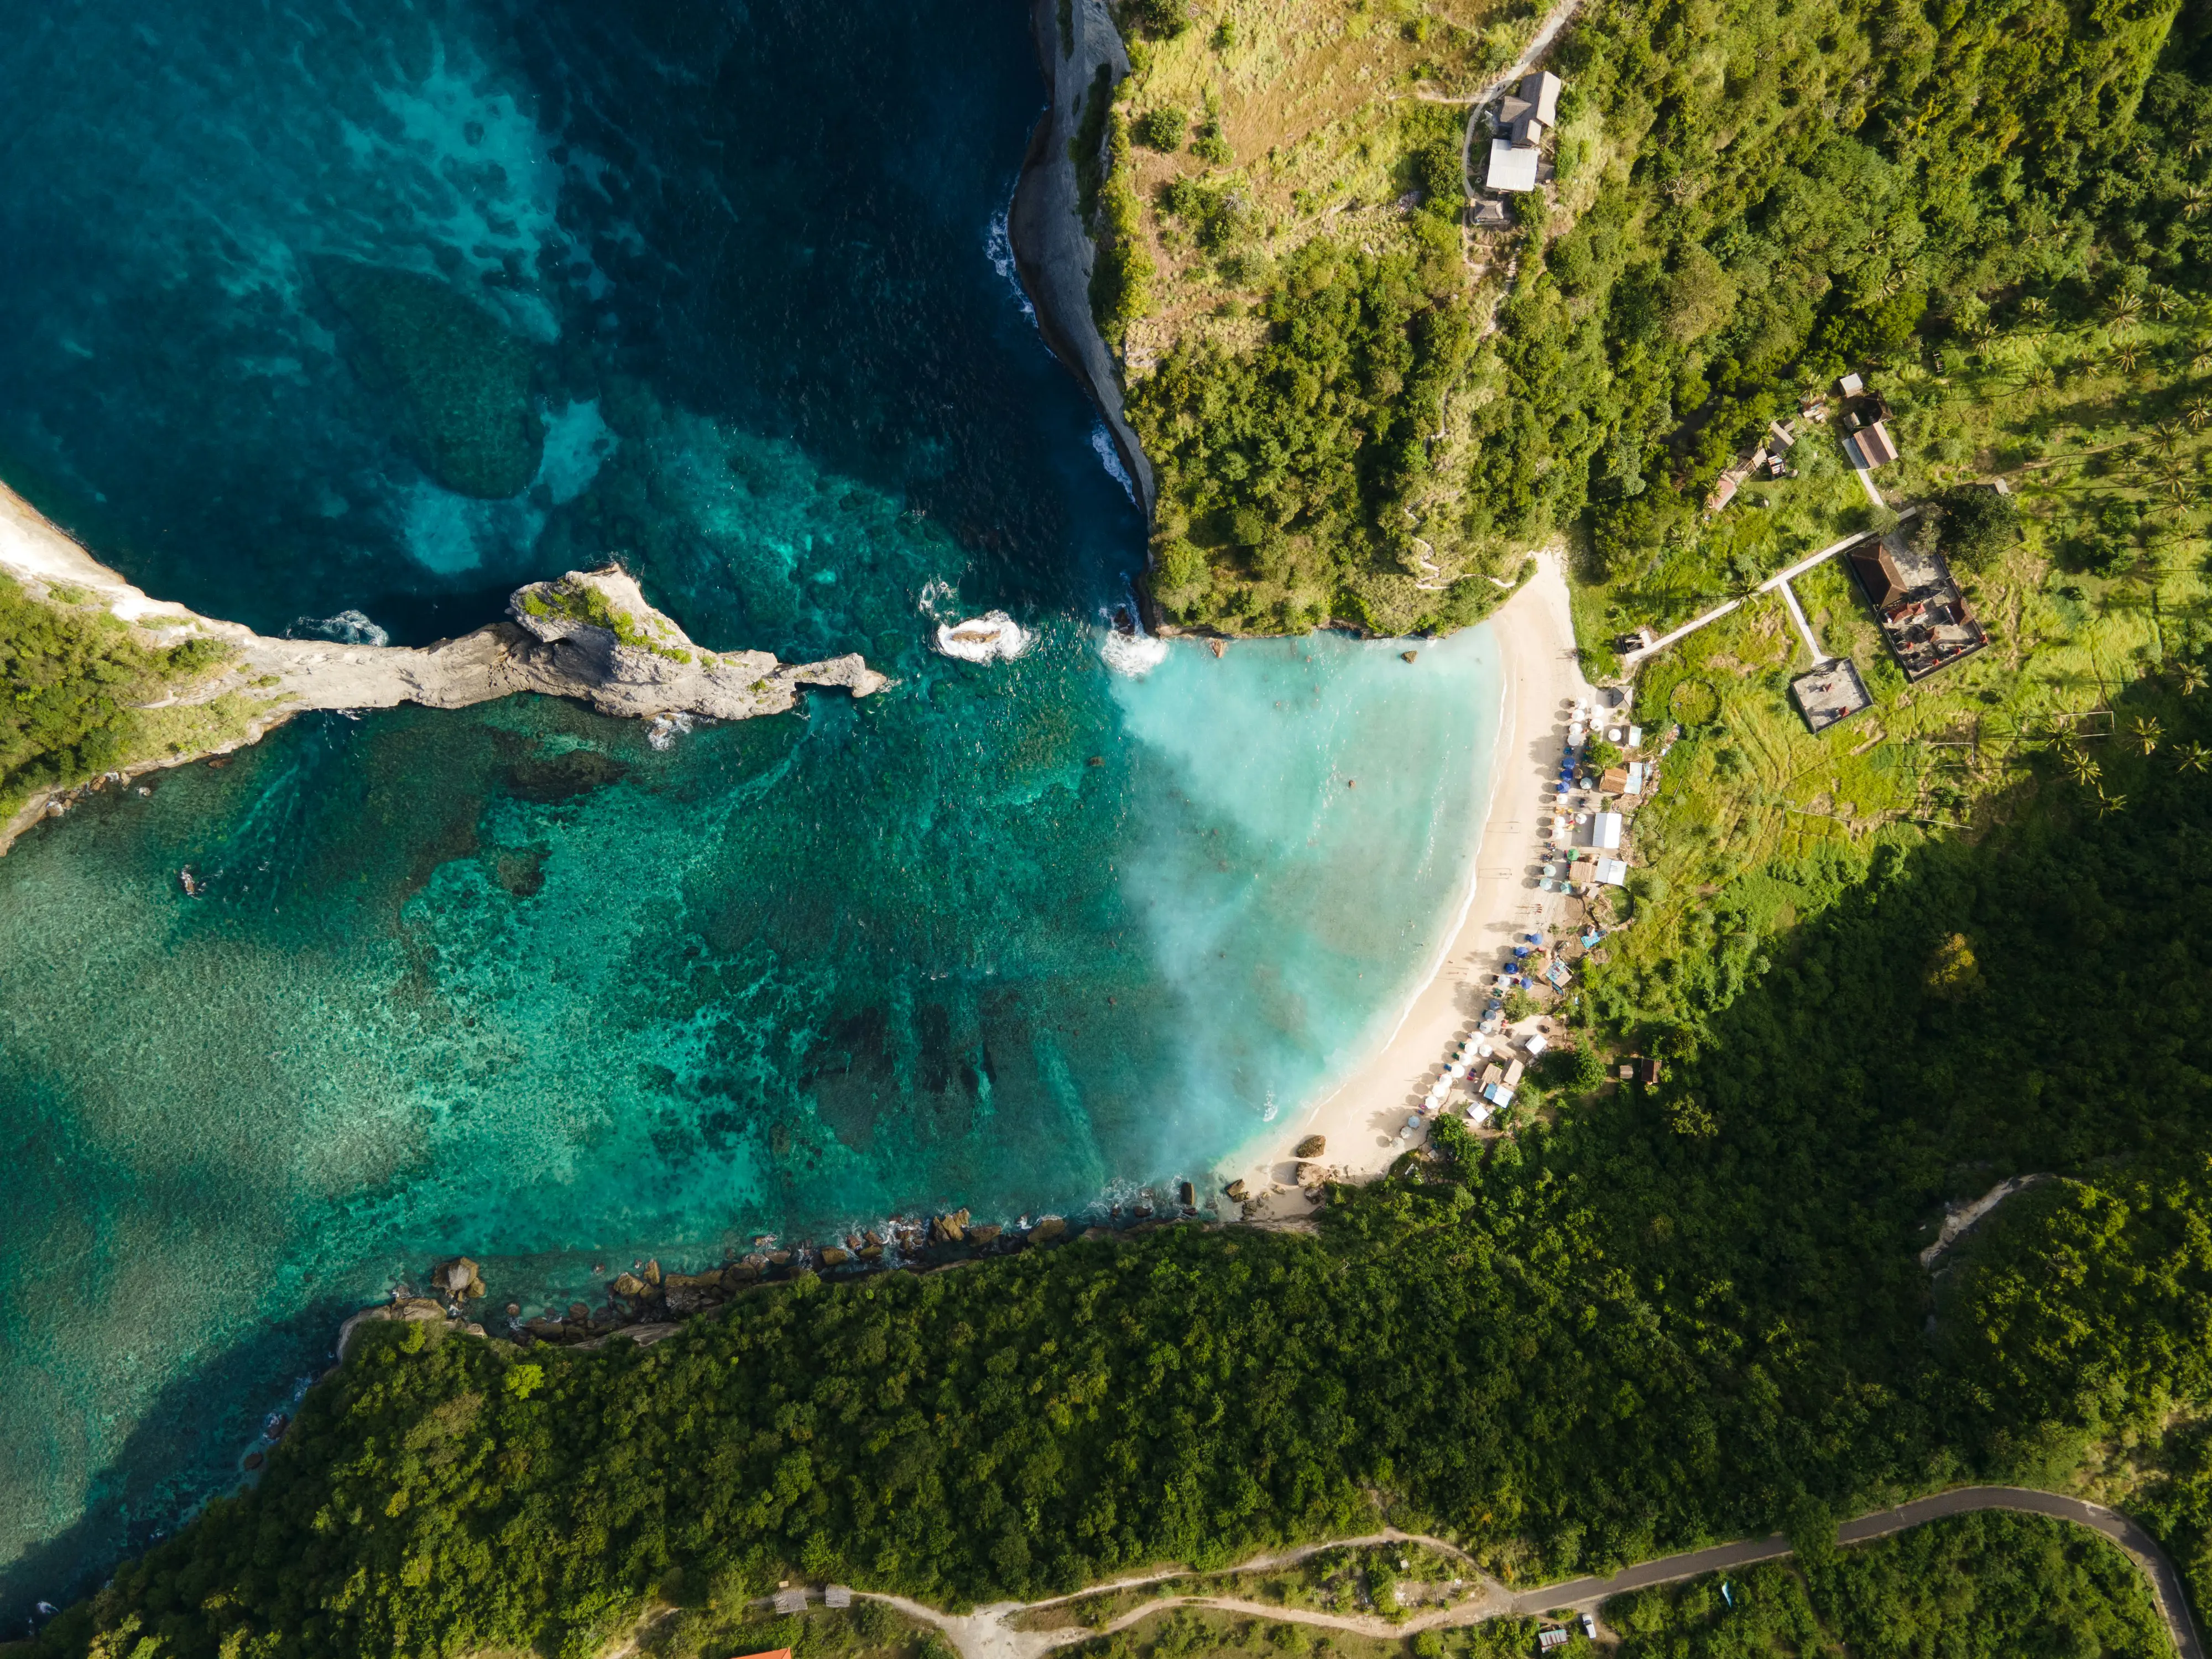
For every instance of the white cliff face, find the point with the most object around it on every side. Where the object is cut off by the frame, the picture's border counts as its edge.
(590, 635)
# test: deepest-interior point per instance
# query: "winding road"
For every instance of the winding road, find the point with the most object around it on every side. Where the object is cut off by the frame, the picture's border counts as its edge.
(989, 1632)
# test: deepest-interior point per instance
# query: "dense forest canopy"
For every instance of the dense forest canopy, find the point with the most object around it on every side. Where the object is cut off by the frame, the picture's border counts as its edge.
(1678, 1313)
(72, 676)
(1751, 198)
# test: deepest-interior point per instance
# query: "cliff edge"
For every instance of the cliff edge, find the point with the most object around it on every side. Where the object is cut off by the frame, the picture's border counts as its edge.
(1052, 247)
(590, 635)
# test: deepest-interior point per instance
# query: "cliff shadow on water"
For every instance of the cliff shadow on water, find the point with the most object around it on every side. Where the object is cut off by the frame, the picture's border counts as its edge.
(513, 979)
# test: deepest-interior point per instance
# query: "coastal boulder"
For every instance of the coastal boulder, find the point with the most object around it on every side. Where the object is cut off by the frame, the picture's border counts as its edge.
(834, 1257)
(984, 1235)
(1187, 1194)
(628, 1285)
(1236, 1191)
(1311, 1147)
(689, 1293)
(458, 1278)
(1311, 1175)
(1047, 1229)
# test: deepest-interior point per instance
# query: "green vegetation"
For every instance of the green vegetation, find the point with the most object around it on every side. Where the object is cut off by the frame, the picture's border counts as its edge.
(1162, 127)
(71, 679)
(1672, 1314)
(1986, 1586)
(700, 1627)
(1747, 202)
(581, 601)
(1285, 473)
(1204, 1634)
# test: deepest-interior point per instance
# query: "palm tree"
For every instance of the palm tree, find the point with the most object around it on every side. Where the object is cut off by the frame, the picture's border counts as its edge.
(2190, 677)
(2195, 757)
(2199, 412)
(2125, 356)
(2166, 434)
(2193, 200)
(2085, 770)
(2146, 732)
(2126, 306)
(2163, 300)
(2108, 804)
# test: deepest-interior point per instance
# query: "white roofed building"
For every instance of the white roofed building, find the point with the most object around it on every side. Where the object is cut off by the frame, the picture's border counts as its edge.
(1511, 167)
(1524, 116)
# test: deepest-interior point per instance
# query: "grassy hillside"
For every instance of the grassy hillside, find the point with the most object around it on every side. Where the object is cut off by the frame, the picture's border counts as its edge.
(1747, 202)
(73, 683)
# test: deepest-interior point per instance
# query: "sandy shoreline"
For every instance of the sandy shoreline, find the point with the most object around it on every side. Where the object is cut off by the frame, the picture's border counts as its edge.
(1362, 1115)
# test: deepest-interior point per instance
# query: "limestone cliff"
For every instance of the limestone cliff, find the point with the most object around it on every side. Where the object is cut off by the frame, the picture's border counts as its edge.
(591, 635)
(1052, 247)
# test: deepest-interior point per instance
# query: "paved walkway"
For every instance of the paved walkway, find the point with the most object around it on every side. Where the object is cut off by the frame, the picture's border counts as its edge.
(1780, 579)
(988, 1632)
(1804, 629)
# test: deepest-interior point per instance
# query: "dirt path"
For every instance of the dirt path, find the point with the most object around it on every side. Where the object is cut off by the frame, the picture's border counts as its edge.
(988, 1632)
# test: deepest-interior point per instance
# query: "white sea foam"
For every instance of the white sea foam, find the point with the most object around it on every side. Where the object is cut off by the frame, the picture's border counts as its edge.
(1133, 655)
(998, 248)
(1102, 441)
(347, 628)
(666, 728)
(992, 637)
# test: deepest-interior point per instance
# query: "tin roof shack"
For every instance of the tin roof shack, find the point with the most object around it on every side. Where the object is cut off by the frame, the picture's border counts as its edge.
(1830, 693)
(1925, 620)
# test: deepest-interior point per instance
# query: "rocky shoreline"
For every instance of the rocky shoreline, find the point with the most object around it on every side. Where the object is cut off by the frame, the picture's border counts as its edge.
(646, 1302)
(1053, 251)
(589, 635)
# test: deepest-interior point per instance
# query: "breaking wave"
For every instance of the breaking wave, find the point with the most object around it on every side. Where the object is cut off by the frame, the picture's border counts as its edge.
(347, 628)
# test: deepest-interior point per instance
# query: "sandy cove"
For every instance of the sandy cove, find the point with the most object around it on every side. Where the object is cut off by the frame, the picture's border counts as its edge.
(1539, 676)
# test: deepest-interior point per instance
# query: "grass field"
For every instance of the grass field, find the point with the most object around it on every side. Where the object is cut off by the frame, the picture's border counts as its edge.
(1319, 104)
(1758, 820)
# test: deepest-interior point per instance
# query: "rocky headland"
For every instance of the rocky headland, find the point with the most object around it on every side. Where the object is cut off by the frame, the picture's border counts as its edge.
(590, 635)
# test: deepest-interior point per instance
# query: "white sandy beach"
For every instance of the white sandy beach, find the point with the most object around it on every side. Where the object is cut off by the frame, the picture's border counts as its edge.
(1362, 1114)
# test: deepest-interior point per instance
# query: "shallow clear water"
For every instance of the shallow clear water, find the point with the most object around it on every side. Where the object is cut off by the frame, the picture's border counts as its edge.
(509, 980)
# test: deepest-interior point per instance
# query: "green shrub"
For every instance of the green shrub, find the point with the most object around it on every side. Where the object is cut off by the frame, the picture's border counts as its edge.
(1162, 127)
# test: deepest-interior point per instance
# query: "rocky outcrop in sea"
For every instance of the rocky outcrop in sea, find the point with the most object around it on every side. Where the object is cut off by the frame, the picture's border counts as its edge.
(591, 635)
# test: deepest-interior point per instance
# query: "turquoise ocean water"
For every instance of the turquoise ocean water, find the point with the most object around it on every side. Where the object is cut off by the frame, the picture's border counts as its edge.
(326, 315)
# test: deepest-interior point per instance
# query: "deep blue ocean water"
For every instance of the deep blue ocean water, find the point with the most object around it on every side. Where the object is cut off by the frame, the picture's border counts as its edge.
(317, 309)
